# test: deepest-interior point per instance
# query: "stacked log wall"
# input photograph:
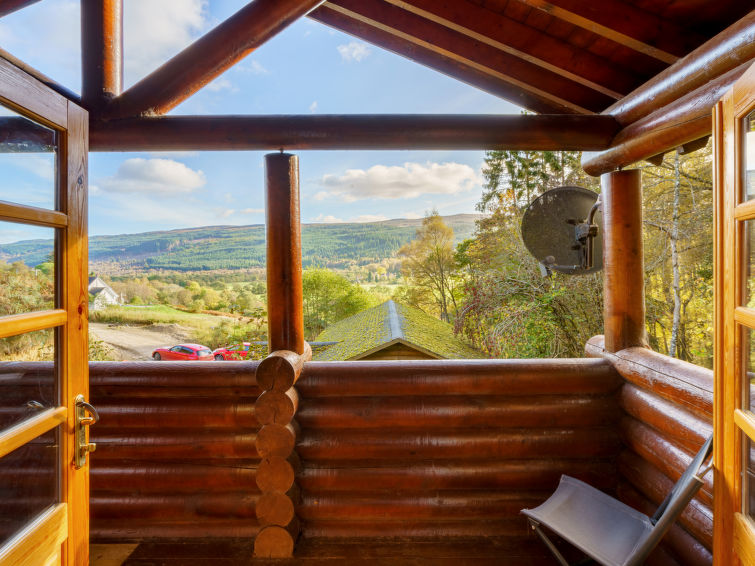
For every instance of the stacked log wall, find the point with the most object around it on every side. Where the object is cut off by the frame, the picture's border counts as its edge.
(667, 407)
(448, 448)
(176, 454)
(409, 449)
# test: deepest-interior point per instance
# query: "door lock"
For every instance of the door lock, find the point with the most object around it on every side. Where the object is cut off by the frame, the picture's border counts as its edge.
(83, 420)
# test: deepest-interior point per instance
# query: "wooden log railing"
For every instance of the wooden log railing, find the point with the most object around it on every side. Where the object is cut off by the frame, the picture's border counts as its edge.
(668, 407)
(176, 455)
(410, 449)
(275, 409)
(448, 448)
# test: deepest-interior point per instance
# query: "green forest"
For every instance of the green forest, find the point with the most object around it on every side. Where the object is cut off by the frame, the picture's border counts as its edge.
(234, 248)
(471, 271)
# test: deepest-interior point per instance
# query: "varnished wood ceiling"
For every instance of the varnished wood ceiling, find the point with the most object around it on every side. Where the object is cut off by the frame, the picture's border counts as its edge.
(555, 56)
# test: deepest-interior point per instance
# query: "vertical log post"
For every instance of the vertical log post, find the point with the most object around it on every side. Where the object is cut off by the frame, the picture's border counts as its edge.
(285, 310)
(101, 52)
(276, 375)
(624, 278)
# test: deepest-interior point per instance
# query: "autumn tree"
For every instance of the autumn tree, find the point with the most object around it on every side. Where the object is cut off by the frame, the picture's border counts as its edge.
(508, 308)
(677, 198)
(428, 263)
(328, 298)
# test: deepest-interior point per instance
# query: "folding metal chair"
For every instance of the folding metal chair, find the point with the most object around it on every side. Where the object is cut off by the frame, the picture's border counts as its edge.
(605, 529)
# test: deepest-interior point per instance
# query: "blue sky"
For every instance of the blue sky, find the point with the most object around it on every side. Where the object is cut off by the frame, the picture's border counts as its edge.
(307, 68)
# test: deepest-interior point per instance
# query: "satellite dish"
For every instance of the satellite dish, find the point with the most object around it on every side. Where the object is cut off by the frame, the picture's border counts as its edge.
(563, 229)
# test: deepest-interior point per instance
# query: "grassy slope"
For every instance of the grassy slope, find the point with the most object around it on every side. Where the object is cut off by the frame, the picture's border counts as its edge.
(154, 314)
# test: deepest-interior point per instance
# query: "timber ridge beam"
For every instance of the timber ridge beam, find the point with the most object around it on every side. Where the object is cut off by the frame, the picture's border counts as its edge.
(355, 131)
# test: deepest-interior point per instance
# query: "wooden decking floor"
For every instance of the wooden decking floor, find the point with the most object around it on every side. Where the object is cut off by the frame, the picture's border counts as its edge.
(314, 552)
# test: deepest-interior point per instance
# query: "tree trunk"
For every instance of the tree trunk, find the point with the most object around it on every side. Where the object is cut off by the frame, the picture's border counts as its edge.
(675, 261)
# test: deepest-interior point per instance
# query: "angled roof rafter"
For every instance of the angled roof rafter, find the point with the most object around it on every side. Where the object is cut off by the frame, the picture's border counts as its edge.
(425, 33)
(438, 62)
(516, 38)
(10, 6)
(208, 57)
(628, 30)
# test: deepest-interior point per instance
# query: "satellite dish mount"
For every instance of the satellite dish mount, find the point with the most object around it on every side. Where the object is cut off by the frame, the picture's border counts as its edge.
(562, 229)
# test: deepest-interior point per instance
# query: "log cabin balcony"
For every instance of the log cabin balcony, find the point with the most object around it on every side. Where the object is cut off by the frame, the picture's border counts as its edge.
(405, 462)
(423, 461)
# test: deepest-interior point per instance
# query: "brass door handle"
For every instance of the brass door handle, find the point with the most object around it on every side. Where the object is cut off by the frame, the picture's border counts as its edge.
(82, 421)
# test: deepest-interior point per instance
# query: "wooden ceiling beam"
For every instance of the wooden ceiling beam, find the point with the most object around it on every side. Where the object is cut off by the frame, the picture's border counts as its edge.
(425, 33)
(10, 6)
(101, 52)
(625, 24)
(525, 42)
(722, 53)
(208, 57)
(437, 62)
(358, 132)
(682, 121)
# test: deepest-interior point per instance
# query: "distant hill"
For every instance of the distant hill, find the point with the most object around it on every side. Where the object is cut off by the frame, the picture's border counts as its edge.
(240, 247)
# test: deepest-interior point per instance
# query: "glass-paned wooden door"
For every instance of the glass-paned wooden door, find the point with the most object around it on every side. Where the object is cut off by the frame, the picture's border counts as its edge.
(734, 162)
(43, 325)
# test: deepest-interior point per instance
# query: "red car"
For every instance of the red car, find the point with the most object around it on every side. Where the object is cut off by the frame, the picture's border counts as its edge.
(234, 352)
(183, 352)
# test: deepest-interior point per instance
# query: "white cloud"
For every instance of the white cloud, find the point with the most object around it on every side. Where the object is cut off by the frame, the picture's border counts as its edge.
(254, 67)
(225, 213)
(252, 210)
(354, 51)
(369, 218)
(313, 107)
(393, 182)
(153, 176)
(329, 219)
(155, 31)
(221, 83)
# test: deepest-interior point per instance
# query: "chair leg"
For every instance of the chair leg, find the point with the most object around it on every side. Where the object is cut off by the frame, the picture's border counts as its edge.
(552, 547)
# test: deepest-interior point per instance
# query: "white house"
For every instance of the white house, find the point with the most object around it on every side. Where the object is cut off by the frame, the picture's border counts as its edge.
(102, 294)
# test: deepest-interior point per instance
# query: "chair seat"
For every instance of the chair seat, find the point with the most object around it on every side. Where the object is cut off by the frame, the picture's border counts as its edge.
(605, 529)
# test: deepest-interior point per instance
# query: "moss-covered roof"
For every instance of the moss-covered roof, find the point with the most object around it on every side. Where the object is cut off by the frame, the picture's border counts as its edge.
(387, 324)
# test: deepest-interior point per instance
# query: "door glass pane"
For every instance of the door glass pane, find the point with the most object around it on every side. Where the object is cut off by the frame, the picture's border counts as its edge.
(27, 268)
(748, 156)
(28, 483)
(27, 384)
(748, 403)
(28, 161)
(748, 264)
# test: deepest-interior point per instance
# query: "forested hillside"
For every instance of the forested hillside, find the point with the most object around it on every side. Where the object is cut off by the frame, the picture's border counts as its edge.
(239, 247)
